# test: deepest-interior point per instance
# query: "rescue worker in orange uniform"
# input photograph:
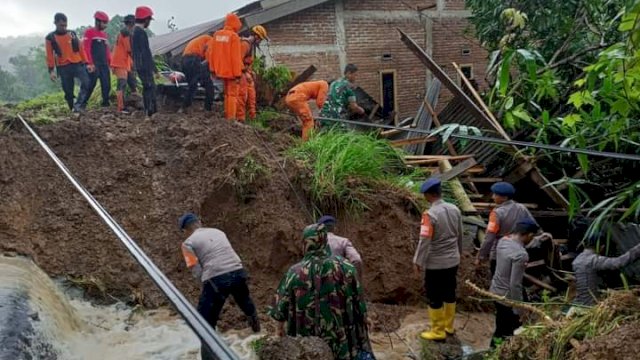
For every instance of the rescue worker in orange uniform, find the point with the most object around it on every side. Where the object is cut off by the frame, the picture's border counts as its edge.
(196, 71)
(225, 62)
(247, 93)
(298, 101)
(121, 61)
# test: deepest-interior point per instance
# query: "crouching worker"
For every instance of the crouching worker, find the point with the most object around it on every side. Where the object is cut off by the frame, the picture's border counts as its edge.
(590, 262)
(321, 296)
(298, 102)
(437, 257)
(511, 261)
(213, 261)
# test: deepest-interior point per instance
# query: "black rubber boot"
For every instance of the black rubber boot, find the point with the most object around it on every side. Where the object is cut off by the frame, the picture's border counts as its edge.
(254, 323)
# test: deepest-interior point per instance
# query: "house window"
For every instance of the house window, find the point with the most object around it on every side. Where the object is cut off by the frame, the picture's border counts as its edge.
(467, 70)
(388, 94)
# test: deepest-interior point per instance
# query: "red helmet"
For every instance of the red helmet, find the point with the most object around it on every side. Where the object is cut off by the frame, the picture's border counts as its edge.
(102, 16)
(143, 12)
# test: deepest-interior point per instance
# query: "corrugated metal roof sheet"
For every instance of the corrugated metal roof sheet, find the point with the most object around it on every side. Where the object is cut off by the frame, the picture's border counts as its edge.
(259, 12)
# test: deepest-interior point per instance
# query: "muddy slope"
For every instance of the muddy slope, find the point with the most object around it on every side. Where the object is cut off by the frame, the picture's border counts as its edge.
(146, 174)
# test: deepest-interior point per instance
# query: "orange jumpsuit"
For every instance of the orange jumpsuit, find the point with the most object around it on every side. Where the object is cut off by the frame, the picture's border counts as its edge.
(121, 62)
(298, 101)
(225, 62)
(247, 93)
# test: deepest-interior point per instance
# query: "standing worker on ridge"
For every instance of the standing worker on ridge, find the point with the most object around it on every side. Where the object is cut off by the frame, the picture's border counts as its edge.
(121, 62)
(96, 47)
(341, 246)
(225, 62)
(212, 260)
(247, 92)
(66, 56)
(438, 257)
(341, 97)
(143, 60)
(298, 102)
(511, 262)
(196, 70)
(502, 221)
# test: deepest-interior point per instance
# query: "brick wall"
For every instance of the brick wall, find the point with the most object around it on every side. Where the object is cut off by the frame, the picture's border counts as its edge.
(310, 27)
(450, 38)
(369, 39)
(370, 29)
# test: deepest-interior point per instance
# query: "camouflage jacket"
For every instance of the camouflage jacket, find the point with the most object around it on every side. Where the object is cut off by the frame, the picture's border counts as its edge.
(320, 296)
(341, 93)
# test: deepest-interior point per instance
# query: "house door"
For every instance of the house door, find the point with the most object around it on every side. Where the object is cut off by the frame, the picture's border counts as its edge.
(389, 94)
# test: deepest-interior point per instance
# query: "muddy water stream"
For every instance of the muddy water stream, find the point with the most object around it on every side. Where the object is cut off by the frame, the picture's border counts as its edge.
(40, 320)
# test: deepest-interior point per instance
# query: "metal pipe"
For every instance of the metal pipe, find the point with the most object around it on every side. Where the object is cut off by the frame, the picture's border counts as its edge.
(197, 323)
(523, 144)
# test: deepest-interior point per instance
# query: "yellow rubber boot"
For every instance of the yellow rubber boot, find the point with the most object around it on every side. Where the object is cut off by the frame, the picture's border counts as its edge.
(437, 325)
(449, 317)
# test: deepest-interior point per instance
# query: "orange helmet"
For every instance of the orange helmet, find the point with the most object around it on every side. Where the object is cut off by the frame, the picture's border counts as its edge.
(260, 32)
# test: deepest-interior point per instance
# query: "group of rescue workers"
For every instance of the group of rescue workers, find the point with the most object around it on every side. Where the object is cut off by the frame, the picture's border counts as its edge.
(322, 294)
(223, 55)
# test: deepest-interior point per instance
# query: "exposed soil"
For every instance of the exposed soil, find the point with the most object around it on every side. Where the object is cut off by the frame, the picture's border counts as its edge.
(300, 348)
(147, 173)
(621, 344)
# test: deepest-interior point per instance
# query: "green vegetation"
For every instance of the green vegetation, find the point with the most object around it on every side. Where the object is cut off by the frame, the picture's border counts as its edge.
(264, 117)
(257, 344)
(44, 109)
(578, 87)
(277, 77)
(248, 172)
(345, 166)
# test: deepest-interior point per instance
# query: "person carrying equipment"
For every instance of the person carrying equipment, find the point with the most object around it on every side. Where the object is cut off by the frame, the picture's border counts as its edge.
(210, 257)
(438, 257)
(196, 70)
(225, 62)
(121, 62)
(298, 102)
(247, 91)
(143, 60)
(96, 47)
(66, 60)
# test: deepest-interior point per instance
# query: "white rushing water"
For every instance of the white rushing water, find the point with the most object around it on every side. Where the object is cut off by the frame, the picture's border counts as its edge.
(64, 328)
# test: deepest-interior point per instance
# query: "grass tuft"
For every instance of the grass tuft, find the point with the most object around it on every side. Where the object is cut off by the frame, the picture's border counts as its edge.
(346, 165)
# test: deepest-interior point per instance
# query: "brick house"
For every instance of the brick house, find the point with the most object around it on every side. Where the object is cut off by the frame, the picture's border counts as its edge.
(330, 34)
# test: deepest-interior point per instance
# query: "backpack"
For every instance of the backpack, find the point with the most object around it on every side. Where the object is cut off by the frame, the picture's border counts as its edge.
(75, 42)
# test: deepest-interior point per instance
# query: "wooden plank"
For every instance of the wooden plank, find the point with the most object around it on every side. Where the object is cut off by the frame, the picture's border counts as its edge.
(537, 263)
(442, 76)
(392, 132)
(481, 180)
(439, 157)
(551, 190)
(492, 205)
(374, 111)
(458, 169)
(478, 169)
(420, 140)
(540, 283)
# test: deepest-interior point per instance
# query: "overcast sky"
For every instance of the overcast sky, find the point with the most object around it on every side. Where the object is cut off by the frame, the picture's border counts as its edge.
(27, 17)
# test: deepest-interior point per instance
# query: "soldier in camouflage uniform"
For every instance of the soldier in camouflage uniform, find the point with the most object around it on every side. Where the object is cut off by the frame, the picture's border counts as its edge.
(320, 296)
(342, 97)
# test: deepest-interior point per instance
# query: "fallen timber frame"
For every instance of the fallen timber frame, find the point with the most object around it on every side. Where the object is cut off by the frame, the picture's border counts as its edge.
(196, 322)
(473, 108)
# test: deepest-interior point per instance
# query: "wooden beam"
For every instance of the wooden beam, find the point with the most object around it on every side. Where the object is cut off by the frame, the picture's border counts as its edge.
(438, 157)
(533, 264)
(392, 132)
(551, 190)
(492, 205)
(458, 169)
(540, 283)
(420, 140)
(481, 180)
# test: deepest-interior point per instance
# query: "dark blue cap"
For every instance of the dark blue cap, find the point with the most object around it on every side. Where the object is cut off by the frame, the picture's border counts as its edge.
(527, 225)
(431, 183)
(503, 189)
(186, 220)
(327, 219)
